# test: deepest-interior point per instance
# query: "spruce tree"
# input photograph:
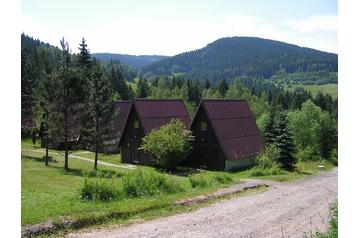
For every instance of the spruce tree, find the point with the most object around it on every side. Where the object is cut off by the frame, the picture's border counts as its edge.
(284, 143)
(100, 108)
(207, 84)
(118, 83)
(142, 88)
(223, 87)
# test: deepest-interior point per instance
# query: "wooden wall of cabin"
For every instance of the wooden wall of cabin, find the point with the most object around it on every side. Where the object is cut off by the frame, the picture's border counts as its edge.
(133, 134)
(206, 152)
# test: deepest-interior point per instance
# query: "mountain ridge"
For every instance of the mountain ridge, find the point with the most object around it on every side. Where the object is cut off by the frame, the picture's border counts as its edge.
(231, 57)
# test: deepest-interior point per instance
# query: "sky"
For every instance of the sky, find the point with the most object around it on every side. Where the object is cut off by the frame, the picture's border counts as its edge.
(171, 27)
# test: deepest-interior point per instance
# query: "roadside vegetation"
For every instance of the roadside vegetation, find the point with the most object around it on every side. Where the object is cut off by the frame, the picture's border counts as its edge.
(332, 231)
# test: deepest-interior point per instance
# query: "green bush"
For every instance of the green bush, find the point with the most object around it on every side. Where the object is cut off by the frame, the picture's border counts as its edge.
(308, 154)
(169, 144)
(208, 179)
(142, 182)
(98, 189)
(260, 171)
(334, 157)
(269, 158)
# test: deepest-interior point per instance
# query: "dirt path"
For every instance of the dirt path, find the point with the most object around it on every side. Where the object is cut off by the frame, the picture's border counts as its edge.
(124, 166)
(288, 210)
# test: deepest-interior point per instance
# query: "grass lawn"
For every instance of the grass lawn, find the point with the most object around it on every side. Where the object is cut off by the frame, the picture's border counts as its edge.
(51, 193)
(331, 89)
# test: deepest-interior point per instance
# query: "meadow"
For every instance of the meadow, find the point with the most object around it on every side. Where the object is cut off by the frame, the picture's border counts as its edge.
(53, 194)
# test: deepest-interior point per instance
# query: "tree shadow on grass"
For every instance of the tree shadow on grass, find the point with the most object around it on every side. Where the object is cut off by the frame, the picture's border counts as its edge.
(37, 159)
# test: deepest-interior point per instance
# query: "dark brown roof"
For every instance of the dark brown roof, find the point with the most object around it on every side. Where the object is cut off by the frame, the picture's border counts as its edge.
(153, 113)
(234, 127)
(121, 109)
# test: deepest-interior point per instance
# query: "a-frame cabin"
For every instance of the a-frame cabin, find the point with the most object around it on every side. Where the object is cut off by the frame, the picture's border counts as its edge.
(226, 135)
(145, 115)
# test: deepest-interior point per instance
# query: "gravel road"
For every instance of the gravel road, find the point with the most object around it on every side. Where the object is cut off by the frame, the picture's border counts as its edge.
(287, 210)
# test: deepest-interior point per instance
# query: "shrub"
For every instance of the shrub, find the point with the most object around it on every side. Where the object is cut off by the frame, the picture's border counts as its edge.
(260, 171)
(333, 224)
(269, 158)
(308, 154)
(208, 179)
(142, 182)
(98, 189)
(334, 157)
(169, 144)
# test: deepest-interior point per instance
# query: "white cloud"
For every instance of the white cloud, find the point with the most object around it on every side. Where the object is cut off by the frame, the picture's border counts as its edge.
(155, 36)
(318, 23)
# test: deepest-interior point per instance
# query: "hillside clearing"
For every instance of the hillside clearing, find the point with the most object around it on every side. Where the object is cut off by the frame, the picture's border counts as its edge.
(331, 89)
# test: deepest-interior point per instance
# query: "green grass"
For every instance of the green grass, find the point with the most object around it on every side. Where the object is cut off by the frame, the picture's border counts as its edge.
(331, 89)
(333, 224)
(132, 84)
(51, 193)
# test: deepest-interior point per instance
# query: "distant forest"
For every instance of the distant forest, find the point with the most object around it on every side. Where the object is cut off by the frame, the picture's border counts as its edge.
(248, 56)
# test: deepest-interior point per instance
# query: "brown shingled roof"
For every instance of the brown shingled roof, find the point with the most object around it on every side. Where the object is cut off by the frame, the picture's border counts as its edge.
(153, 113)
(234, 127)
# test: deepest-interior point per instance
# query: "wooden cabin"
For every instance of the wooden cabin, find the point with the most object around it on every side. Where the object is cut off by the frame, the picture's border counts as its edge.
(226, 135)
(144, 116)
(110, 143)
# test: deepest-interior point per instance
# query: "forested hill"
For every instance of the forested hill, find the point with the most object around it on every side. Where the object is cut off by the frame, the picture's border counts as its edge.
(136, 61)
(238, 56)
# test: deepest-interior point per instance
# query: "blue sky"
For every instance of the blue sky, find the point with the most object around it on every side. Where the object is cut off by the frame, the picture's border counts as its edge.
(172, 27)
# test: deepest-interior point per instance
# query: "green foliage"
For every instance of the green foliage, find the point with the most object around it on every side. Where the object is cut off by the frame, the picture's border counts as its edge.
(334, 157)
(333, 224)
(270, 158)
(315, 128)
(98, 189)
(143, 89)
(308, 154)
(223, 87)
(260, 171)
(170, 144)
(284, 143)
(206, 179)
(142, 182)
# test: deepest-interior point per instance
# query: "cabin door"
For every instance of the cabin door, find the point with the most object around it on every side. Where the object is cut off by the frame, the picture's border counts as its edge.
(208, 156)
(134, 152)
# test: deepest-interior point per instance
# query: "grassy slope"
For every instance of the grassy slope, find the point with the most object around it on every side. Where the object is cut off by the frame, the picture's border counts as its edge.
(331, 89)
(49, 193)
(132, 84)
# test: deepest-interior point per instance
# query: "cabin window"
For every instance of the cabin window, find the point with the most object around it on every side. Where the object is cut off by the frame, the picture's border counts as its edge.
(136, 124)
(203, 126)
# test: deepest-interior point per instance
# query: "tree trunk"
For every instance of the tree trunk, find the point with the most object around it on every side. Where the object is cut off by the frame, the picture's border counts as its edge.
(66, 141)
(97, 144)
(46, 159)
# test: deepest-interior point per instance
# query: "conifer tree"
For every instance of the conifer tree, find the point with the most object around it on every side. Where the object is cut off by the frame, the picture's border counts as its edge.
(142, 88)
(223, 87)
(118, 83)
(284, 143)
(207, 84)
(100, 107)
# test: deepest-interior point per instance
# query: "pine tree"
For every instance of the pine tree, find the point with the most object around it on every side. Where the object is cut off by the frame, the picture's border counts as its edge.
(100, 107)
(118, 83)
(207, 84)
(223, 87)
(284, 143)
(142, 88)
(269, 131)
(84, 57)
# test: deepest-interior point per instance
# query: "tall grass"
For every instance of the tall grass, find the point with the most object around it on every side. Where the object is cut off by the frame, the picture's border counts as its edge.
(138, 183)
(146, 183)
(98, 189)
(208, 179)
